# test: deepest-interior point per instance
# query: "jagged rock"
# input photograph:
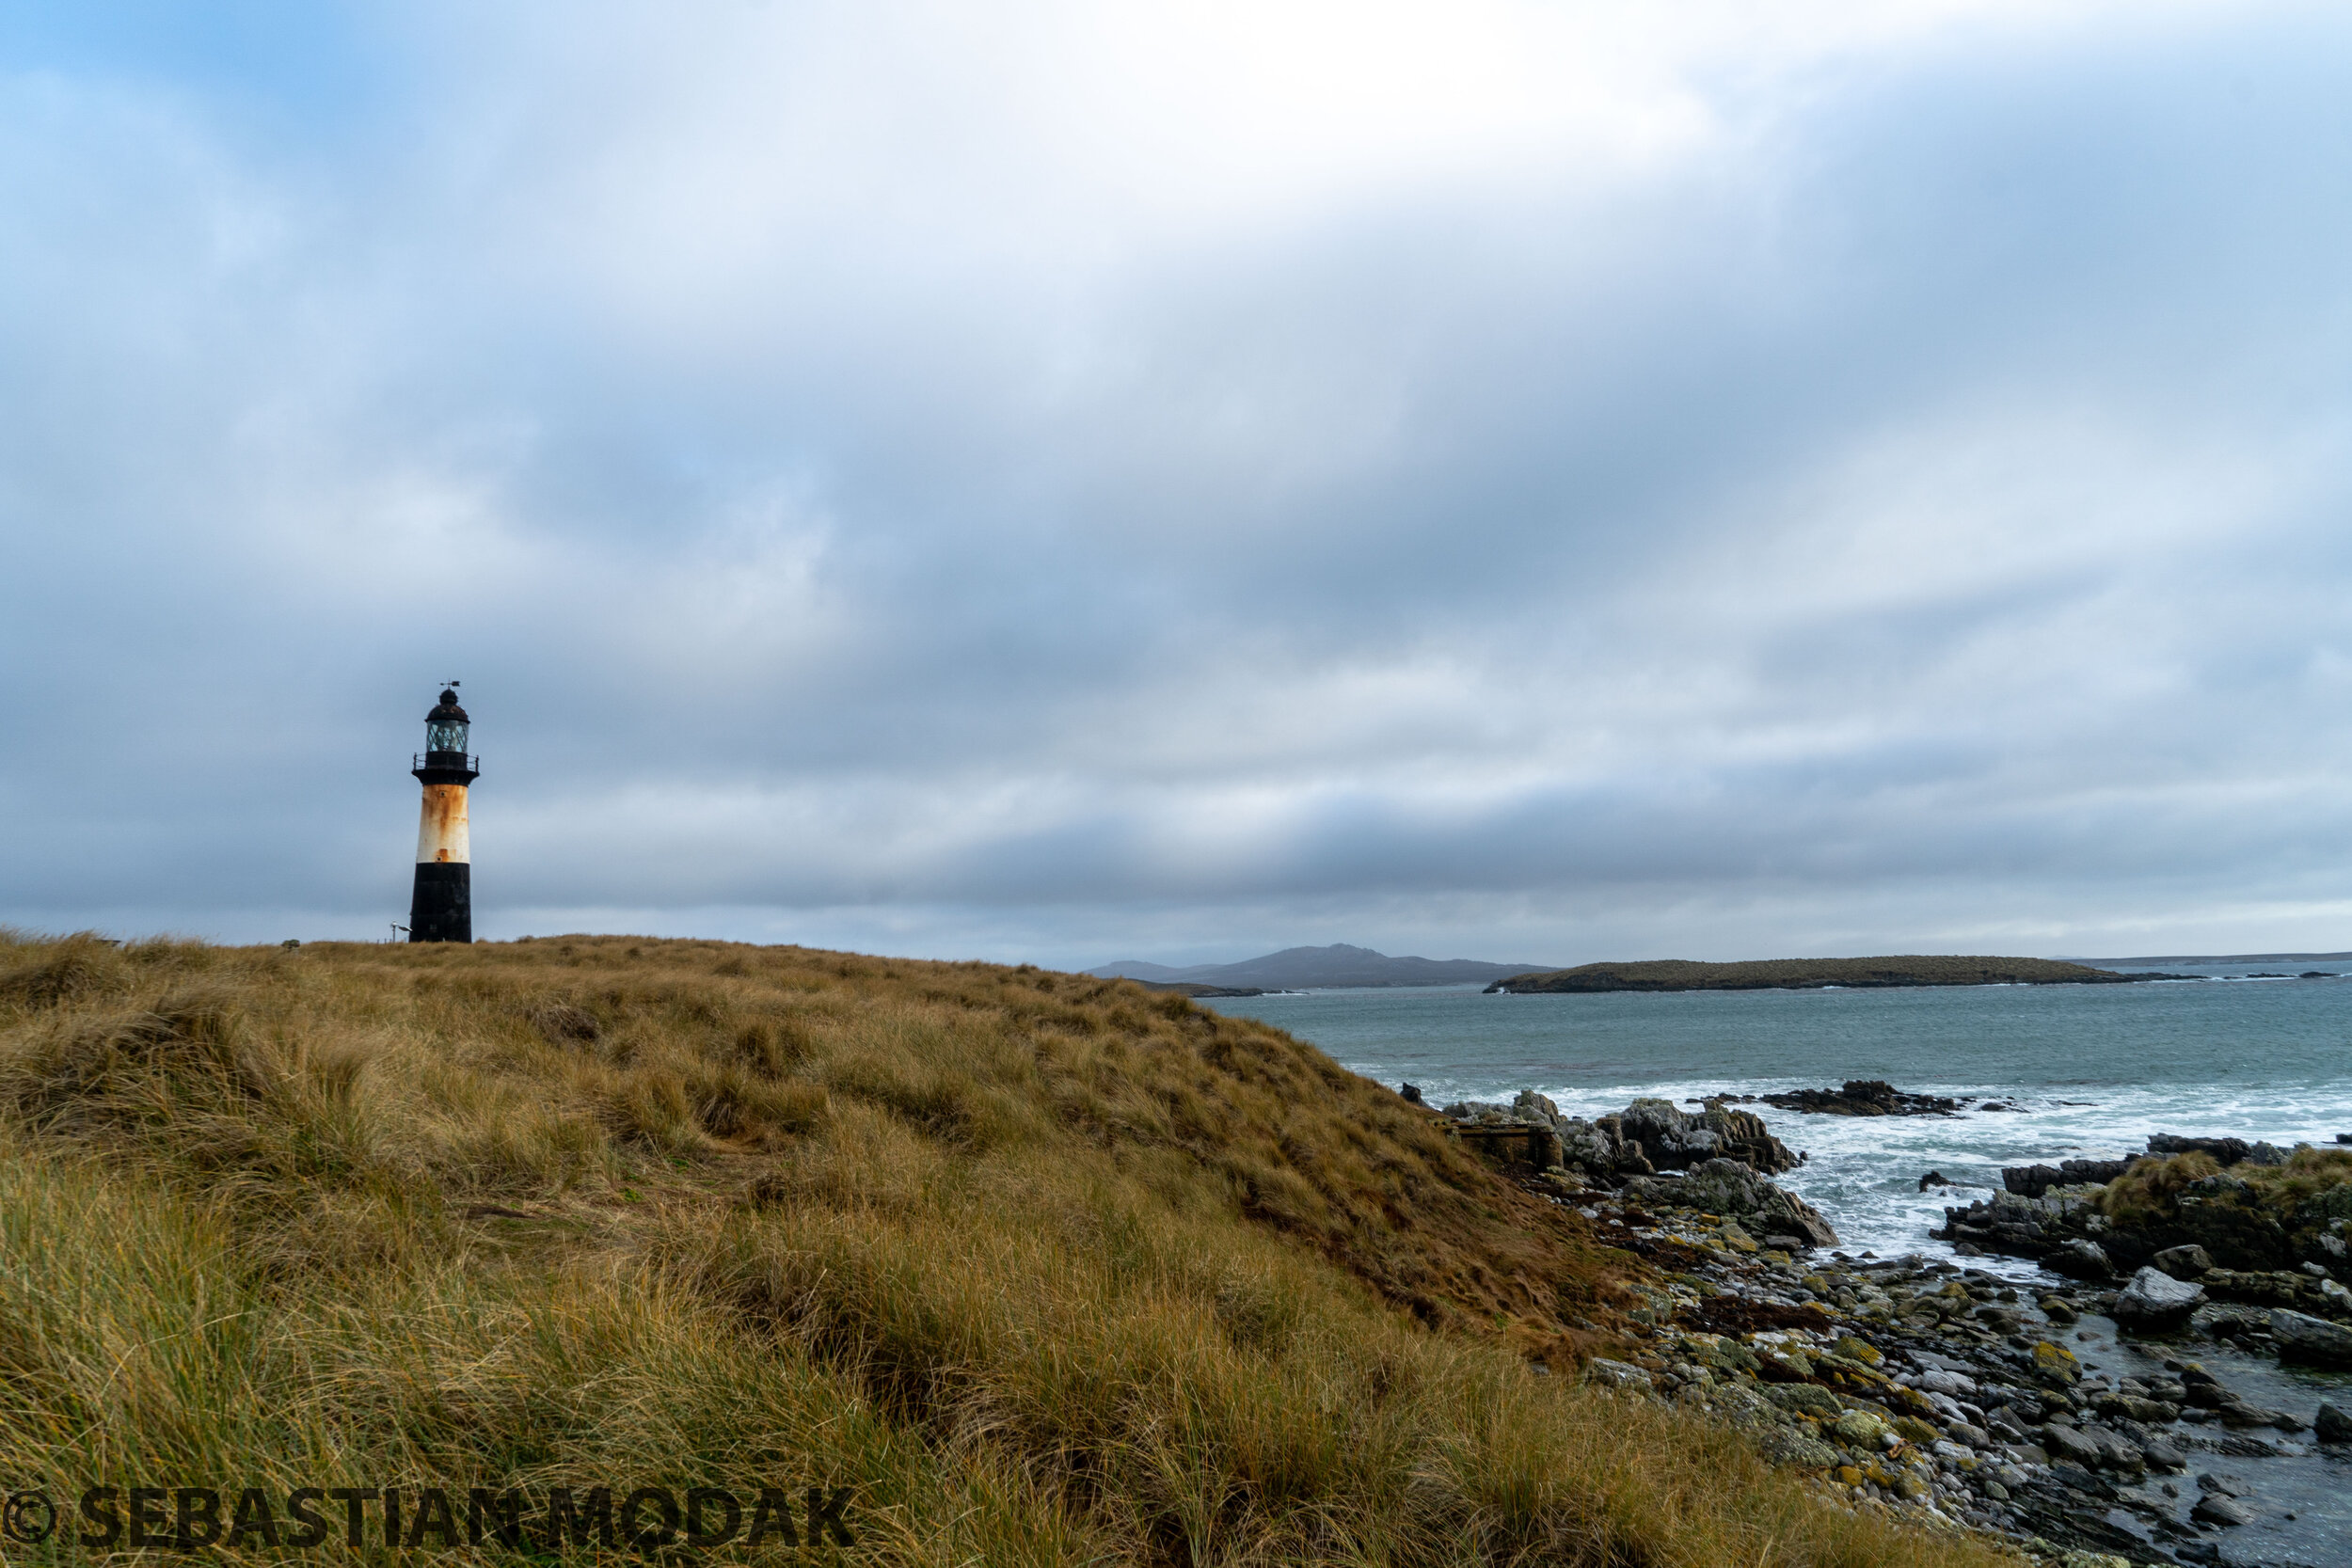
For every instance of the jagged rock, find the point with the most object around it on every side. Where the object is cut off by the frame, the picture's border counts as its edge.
(1742, 1135)
(1411, 1093)
(1651, 1135)
(2154, 1299)
(2183, 1262)
(1935, 1179)
(1670, 1136)
(2034, 1181)
(1728, 1187)
(2331, 1425)
(1863, 1097)
(2312, 1341)
(2229, 1151)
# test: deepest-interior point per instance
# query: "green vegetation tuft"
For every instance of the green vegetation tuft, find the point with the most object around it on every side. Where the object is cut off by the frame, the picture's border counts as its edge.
(2312, 1188)
(1044, 1269)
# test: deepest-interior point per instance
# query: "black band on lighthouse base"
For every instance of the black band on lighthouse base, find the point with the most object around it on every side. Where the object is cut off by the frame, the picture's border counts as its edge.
(441, 909)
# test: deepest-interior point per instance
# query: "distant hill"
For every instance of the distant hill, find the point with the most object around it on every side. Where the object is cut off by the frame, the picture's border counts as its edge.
(1317, 969)
(1815, 973)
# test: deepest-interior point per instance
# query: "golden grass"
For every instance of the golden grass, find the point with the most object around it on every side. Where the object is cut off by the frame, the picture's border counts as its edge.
(2151, 1190)
(1046, 1268)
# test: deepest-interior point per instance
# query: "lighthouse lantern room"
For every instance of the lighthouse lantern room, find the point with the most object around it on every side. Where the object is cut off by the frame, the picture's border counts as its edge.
(441, 908)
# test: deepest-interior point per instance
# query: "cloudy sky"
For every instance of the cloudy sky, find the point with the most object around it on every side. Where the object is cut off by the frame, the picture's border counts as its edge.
(1537, 481)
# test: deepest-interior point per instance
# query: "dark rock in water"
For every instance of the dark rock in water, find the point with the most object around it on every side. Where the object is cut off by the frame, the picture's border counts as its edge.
(2214, 1509)
(2154, 1299)
(1935, 1179)
(2183, 1262)
(1863, 1097)
(1412, 1094)
(2034, 1181)
(2311, 1342)
(2229, 1151)
(2331, 1425)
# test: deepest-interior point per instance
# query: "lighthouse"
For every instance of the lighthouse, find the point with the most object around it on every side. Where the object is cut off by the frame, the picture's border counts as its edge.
(441, 908)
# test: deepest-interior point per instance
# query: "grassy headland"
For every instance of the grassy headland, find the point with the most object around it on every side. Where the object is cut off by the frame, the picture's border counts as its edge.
(1046, 1269)
(1812, 974)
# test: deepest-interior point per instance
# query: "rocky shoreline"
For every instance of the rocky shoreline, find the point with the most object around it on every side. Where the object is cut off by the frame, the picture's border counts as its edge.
(1941, 1388)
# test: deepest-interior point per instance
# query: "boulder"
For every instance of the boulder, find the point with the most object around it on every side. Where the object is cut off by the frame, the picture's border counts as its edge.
(2064, 1442)
(2214, 1509)
(2183, 1262)
(2080, 1259)
(1807, 1398)
(2055, 1364)
(1791, 1447)
(2312, 1341)
(2331, 1425)
(1615, 1374)
(2154, 1299)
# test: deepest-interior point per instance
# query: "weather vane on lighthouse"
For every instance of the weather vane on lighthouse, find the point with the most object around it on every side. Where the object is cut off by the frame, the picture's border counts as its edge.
(441, 908)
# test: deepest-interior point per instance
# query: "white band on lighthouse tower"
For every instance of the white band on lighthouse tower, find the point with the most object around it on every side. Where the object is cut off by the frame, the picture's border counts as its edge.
(441, 836)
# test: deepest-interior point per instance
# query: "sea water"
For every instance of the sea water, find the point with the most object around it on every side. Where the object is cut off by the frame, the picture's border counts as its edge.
(2092, 1070)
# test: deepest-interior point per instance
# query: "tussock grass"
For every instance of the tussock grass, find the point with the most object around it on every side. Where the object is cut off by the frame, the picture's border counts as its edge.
(1046, 1269)
(2151, 1190)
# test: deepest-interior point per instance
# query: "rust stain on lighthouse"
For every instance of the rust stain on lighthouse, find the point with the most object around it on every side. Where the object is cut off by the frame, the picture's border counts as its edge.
(441, 835)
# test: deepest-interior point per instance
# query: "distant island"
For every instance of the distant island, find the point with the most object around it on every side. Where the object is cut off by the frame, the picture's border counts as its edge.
(1816, 974)
(1314, 969)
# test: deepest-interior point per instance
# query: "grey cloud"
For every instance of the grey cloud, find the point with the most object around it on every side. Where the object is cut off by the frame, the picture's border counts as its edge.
(1913, 512)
